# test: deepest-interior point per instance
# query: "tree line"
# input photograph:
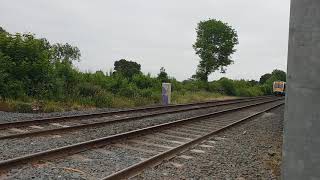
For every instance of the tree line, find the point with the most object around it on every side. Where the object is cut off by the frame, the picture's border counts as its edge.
(35, 71)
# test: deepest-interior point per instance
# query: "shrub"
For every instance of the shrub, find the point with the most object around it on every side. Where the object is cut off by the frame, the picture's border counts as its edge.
(89, 90)
(86, 101)
(103, 100)
(130, 90)
(192, 85)
(215, 86)
(227, 86)
(21, 107)
(34, 70)
(145, 81)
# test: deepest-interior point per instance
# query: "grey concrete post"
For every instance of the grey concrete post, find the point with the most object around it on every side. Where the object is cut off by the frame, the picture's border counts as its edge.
(166, 93)
(301, 152)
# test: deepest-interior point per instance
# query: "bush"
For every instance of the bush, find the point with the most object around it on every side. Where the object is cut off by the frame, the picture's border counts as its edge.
(34, 70)
(89, 90)
(249, 92)
(103, 100)
(130, 90)
(145, 81)
(21, 107)
(194, 86)
(227, 86)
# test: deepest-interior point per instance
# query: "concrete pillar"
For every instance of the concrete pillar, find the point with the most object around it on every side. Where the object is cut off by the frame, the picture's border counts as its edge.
(166, 93)
(301, 152)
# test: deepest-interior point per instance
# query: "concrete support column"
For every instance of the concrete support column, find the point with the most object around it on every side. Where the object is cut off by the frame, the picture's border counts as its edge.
(301, 152)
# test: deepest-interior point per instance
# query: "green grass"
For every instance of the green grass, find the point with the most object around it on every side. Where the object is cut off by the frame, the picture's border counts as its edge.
(105, 100)
(188, 97)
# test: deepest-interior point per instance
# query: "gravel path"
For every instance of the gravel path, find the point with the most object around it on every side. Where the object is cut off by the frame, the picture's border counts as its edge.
(251, 150)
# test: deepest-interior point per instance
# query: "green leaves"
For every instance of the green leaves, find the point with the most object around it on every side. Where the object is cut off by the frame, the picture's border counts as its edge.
(163, 75)
(127, 68)
(267, 80)
(214, 44)
(32, 65)
(65, 53)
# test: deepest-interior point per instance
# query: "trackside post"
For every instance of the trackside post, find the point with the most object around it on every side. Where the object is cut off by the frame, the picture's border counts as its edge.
(166, 93)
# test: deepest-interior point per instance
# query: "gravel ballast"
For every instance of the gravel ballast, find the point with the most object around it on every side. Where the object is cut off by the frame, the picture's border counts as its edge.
(251, 150)
(69, 168)
(10, 148)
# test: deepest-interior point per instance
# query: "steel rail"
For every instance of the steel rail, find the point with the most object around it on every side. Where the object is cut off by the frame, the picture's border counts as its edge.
(86, 145)
(126, 119)
(103, 114)
(139, 167)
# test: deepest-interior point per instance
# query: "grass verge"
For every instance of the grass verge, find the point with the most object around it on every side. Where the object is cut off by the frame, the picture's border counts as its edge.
(33, 106)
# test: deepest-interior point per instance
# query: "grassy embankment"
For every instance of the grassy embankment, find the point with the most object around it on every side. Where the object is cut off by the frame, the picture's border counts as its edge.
(117, 102)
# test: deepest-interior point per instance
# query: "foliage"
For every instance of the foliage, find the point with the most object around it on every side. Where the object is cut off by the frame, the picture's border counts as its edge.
(127, 68)
(163, 76)
(2, 30)
(279, 75)
(35, 73)
(22, 107)
(31, 66)
(264, 78)
(276, 75)
(214, 44)
(65, 53)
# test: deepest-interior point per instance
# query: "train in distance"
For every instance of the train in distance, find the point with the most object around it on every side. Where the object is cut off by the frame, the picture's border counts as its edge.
(279, 88)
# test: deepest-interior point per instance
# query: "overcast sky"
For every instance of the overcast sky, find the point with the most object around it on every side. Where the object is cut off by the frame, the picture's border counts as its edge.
(156, 33)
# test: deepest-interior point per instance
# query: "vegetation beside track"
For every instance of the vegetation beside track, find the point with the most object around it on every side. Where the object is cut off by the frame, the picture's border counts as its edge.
(38, 75)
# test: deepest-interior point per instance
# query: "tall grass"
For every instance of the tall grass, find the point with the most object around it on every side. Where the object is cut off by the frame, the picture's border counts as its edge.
(187, 97)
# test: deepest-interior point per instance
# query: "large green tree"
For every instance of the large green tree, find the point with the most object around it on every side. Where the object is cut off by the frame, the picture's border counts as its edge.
(279, 75)
(267, 80)
(127, 68)
(264, 78)
(215, 44)
(276, 75)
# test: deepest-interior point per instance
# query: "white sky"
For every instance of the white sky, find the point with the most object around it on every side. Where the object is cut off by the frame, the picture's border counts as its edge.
(156, 33)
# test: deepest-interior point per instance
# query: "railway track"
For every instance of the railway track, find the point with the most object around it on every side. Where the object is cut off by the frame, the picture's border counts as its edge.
(38, 127)
(135, 150)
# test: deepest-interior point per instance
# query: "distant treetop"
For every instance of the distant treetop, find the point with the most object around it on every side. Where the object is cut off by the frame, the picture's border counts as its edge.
(127, 68)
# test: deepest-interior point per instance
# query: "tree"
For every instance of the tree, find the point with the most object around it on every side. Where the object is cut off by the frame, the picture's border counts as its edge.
(268, 79)
(127, 68)
(214, 44)
(264, 78)
(31, 66)
(65, 53)
(253, 82)
(279, 75)
(25, 63)
(163, 76)
(2, 30)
